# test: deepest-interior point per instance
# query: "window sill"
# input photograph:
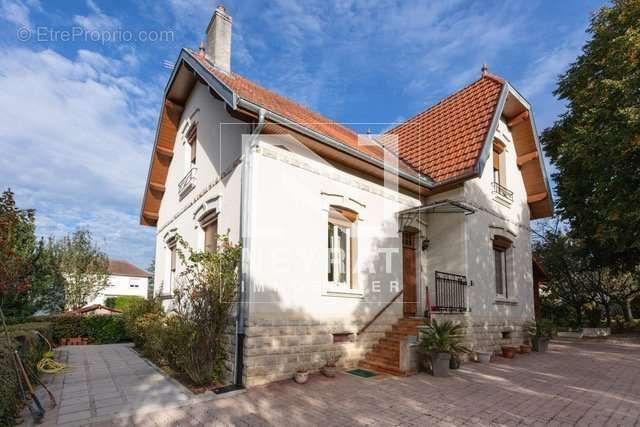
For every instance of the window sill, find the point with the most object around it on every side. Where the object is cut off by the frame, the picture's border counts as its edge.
(333, 291)
(505, 301)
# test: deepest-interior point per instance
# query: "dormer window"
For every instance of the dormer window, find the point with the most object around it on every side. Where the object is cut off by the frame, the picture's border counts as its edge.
(500, 190)
(191, 139)
(498, 163)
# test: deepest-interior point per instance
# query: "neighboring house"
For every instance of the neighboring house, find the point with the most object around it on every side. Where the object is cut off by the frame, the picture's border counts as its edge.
(348, 240)
(125, 279)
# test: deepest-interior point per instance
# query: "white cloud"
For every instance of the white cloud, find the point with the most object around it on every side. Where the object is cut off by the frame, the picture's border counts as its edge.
(76, 141)
(96, 20)
(18, 11)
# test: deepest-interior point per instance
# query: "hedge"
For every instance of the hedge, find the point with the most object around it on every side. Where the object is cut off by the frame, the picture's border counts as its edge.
(99, 328)
(122, 303)
(31, 348)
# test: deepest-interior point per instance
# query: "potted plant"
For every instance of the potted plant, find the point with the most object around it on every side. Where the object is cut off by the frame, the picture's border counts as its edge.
(301, 376)
(508, 351)
(329, 369)
(440, 340)
(540, 333)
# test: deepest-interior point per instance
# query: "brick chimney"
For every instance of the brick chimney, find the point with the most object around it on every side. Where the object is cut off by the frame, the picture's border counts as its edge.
(219, 40)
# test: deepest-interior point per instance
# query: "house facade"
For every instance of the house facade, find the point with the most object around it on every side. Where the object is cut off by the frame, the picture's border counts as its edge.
(125, 279)
(349, 241)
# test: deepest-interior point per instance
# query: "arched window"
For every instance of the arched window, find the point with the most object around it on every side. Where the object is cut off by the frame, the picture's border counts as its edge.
(341, 249)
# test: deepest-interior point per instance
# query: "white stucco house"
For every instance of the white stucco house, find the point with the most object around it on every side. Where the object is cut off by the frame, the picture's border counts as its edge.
(125, 279)
(349, 241)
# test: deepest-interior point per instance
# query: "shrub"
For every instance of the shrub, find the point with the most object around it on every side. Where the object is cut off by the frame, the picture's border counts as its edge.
(122, 303)
(204, 300)
(31, 348)
(68, 326)
(150, 326)
(138, 310)
(104, 329)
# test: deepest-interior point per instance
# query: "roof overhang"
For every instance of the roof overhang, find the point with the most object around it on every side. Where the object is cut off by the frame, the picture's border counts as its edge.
(189, 70)
(530, 158)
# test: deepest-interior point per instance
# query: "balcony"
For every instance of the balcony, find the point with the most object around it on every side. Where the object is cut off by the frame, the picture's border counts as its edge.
(187, 183)
(450, 294)
(502, 192)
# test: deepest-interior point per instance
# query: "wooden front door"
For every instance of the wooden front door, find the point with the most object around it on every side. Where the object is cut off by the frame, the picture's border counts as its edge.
(410, 296)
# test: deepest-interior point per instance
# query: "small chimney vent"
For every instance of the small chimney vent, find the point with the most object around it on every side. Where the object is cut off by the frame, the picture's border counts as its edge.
(219, 40)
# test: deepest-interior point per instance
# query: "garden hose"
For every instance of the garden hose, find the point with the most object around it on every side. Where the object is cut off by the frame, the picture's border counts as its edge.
(50, 366)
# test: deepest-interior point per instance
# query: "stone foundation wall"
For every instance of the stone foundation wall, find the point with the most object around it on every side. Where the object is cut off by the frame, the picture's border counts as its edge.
(486, 333)
(275, 349)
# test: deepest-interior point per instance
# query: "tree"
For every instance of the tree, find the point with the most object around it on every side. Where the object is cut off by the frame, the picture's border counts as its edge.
(84, 268)
(578, 282)
(17, 253)
(595, 144)
(152, 270)
(560, 257)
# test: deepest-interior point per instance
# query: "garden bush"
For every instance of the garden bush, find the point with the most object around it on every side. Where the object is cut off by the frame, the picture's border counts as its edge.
(98, 328)
(135, 321)
(31, 347)
(122, 303)
(104, 329)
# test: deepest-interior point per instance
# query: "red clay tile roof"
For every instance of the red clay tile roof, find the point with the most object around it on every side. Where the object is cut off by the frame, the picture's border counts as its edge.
(442, 142)
(120, 267)
(445, 140)
(291, 110)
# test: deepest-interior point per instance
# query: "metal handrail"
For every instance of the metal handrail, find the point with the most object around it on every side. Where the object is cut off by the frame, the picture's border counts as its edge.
(503, 191)
(379, 313)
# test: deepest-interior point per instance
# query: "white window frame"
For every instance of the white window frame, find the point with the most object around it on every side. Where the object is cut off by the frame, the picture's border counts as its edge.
(337, 257)
(349, 288)
(502, 254)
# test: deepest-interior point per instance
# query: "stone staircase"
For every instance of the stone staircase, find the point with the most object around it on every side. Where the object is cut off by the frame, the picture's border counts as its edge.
(385, 355)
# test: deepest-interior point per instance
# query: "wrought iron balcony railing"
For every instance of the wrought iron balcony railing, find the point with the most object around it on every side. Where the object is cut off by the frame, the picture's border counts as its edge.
(450, 293)
(188, 182)
(503, 191)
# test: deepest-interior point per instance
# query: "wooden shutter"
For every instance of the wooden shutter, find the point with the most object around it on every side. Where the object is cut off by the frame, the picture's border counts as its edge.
(211, 236)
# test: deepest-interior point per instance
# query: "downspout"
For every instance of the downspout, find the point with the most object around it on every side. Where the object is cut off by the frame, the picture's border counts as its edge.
(245, 264)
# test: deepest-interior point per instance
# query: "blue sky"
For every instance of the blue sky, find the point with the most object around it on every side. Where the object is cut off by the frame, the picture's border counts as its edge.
(78, 112)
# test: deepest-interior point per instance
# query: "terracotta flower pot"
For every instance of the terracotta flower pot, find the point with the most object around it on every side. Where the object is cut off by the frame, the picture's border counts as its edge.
(524, 349)
(329, 371)
(301, 377)
(508, 352)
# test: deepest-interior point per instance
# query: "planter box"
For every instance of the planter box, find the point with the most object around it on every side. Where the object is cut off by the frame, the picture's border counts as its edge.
(596, 332)
(570, 334)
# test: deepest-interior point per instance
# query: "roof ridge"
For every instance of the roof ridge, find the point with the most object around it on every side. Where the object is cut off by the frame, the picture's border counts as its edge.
(488, 75)
(329, 121)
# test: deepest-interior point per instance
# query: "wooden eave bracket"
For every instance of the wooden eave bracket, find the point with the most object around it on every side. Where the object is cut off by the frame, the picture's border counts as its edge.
(518, 119)
(157, 186)
(537, 197)
(525, 158)
(163, 151)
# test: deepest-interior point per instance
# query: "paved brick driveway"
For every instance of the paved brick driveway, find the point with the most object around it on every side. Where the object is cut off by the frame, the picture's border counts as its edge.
(576, 383)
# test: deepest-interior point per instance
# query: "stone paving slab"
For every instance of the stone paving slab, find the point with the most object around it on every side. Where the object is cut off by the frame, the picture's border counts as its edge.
(107, 381)
(576, 383)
